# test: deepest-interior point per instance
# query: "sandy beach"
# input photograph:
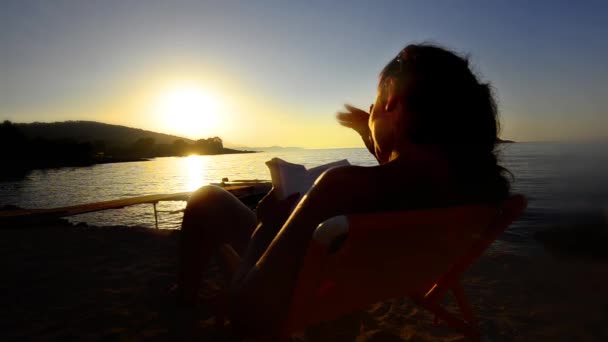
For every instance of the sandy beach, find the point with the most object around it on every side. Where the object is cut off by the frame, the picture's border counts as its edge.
(70, 282)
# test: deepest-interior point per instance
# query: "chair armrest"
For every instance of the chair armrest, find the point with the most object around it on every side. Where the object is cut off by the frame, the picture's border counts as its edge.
(330, 229)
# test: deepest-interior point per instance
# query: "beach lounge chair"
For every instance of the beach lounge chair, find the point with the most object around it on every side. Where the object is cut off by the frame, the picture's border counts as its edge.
(357, 260)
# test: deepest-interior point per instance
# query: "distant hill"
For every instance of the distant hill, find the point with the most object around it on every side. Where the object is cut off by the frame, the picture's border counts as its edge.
(116, 135)
(265, 149)
(82, 131)
(28, 146)
(278, 148)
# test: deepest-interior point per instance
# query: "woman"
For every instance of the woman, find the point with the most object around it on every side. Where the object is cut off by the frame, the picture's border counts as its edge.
(433, 130)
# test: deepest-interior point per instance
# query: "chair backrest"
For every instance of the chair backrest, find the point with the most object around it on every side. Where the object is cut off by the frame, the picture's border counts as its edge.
(391, 254)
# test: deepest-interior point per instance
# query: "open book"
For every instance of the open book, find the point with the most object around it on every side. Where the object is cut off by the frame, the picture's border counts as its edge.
(289, 178)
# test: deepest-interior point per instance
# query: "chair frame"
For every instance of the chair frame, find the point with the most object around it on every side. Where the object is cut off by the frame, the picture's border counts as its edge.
(448, 282)
(430, 300)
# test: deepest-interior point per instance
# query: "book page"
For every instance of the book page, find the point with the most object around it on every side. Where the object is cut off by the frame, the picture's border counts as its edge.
(289, 178)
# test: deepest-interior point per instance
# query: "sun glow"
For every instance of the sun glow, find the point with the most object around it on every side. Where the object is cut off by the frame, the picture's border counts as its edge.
(195, 172)
(190, 111)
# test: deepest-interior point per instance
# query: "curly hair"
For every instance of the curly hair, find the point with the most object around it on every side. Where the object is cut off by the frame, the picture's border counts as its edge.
(448, 107)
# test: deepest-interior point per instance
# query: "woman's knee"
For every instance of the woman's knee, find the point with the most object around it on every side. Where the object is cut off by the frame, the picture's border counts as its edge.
(213, 204)
(208, 192)
(208, 196)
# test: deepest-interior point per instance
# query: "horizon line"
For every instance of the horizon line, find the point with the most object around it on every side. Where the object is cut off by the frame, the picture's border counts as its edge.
(593, 140)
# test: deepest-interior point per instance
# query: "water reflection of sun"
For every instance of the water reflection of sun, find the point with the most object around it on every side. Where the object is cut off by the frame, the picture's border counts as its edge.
(195, 169)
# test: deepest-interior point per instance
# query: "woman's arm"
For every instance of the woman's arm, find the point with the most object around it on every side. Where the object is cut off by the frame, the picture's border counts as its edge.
(357, 119)
(271, 214)
(369, 143)
(262, 293)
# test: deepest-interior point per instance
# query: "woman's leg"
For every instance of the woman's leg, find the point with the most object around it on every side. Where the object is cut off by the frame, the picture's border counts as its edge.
(212, 217)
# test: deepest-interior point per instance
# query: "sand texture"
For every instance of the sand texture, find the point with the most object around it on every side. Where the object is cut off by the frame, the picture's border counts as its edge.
(113, 284)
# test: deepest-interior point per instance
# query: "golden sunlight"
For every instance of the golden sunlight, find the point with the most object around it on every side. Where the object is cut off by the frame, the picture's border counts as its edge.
(195, 172)
(189, 111)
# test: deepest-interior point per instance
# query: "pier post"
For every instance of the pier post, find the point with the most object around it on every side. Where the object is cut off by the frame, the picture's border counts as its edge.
(155, 215)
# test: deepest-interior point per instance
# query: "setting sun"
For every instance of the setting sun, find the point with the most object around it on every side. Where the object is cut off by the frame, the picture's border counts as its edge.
(188, 110)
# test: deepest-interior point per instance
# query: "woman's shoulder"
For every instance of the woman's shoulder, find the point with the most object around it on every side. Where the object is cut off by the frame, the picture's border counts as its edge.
(366, 184)
(342, 178)
(350, 181)
(395, 175)
(351, 174)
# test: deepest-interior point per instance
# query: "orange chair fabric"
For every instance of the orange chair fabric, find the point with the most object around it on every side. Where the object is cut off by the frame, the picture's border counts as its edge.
(419, 254)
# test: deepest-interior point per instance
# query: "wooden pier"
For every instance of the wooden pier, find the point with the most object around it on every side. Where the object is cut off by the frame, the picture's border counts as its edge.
(245, 190)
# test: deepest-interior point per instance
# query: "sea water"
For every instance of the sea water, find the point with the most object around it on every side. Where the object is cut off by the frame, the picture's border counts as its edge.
(566, 183)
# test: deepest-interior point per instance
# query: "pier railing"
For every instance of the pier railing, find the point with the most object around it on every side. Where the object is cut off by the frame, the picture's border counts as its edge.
(246, 190)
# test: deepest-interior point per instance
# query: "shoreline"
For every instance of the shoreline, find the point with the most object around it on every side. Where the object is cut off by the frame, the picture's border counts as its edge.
(71, 281)
(21, 172)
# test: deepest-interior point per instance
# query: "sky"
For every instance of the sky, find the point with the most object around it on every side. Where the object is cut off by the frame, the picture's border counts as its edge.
(259, 73)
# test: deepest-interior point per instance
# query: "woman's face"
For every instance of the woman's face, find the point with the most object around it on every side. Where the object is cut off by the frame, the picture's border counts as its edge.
(383, 125)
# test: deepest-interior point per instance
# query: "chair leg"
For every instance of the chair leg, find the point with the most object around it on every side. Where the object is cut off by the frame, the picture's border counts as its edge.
(455, 323)
(467, 326)
(464, 305)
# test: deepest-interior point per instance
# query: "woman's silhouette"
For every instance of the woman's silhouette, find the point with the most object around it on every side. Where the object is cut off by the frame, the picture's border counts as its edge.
(433, 129)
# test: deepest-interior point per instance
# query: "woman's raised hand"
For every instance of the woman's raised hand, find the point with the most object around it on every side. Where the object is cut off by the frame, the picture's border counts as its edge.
(354, 118)
(357, 119)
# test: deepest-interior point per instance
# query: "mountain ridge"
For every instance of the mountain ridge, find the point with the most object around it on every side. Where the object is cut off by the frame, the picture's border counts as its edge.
(81, 130)
(113, 134)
